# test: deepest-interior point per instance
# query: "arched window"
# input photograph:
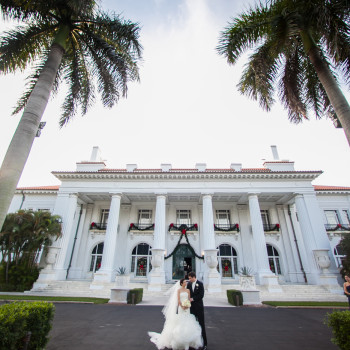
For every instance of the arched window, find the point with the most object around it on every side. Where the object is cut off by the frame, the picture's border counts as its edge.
(141, 260)
(274, 259)
(96, 257)
(339, 255)
(227, 257)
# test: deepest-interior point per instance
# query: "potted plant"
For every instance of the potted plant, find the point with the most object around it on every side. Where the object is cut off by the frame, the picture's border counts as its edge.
(122, 278)
(246, 278)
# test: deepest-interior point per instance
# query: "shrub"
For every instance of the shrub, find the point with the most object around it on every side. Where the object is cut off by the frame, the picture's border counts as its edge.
(339, 321)
(232, 297)
(138, 292)
(17, 319)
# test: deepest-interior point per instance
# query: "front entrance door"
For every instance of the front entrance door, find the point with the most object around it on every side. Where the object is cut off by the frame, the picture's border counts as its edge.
(184, 261)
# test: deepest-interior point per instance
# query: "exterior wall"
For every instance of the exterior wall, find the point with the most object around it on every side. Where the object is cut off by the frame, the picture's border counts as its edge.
(277, 197)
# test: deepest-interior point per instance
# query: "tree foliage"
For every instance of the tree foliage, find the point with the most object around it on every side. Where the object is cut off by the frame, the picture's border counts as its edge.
(293, 41)
(23, 236)
(100, 48)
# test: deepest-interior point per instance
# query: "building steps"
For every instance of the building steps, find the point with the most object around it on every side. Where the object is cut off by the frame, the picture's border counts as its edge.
(290, 292)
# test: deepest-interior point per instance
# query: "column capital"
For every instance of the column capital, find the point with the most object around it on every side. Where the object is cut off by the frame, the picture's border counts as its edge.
(207, 194)
(115, 194)
(253, 194)
(161, 194)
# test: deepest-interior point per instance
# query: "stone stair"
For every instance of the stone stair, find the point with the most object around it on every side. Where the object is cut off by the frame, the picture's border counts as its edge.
(290, 292)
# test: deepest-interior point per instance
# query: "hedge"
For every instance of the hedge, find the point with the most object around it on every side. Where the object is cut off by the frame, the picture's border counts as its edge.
(19, 318)
(138, 292)
(339, 321)
(232, 297)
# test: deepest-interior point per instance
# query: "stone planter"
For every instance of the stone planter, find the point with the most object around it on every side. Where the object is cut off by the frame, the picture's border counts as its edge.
(122, 281)
(247, 282)
(51, 257)
(322, 259)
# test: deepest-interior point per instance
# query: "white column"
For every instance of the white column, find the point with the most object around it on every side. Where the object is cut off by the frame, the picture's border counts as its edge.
(263, 273)
(157, 276)
(212, 278)
(106, 273)
(315, 239)
(66, 207)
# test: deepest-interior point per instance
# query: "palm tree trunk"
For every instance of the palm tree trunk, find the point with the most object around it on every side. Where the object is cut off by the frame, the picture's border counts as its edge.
(23, 138)
(335, 95)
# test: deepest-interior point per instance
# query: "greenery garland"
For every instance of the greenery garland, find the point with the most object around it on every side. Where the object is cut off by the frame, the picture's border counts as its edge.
(274, 228)
(338, 227)
(139, 228)
(183, 228)
(234, 227)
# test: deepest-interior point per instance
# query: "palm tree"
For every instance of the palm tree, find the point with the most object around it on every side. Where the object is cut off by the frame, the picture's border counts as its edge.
(66, 40)
(301, 46)
(24, 234)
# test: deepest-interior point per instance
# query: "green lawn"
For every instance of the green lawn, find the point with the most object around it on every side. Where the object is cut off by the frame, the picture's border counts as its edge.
(307, 303)
(45, 298)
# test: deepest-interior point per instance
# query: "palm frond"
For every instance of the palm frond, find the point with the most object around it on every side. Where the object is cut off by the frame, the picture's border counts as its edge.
(244, 32)
(20, 47)
(258, 78)
(291, 86)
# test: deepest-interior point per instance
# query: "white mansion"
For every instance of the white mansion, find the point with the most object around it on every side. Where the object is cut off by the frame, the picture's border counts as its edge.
(161, 223)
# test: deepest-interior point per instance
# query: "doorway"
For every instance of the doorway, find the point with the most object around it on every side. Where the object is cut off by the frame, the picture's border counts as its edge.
(184, 261)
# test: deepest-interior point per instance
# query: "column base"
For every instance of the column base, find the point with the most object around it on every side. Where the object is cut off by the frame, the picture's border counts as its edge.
(101, 278)
(331, 283)
(271, 281)
(155, 280)
(212, 282)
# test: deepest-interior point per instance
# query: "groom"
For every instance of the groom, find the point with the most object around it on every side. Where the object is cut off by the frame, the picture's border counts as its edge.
(197, 309)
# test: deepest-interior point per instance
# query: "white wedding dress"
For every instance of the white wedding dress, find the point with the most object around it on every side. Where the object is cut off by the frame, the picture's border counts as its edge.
(180, 332)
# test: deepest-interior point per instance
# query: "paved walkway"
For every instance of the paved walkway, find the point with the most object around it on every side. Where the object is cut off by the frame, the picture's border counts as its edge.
(106, 327)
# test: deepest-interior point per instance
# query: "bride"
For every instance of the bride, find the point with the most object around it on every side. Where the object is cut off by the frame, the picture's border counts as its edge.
(181, 329)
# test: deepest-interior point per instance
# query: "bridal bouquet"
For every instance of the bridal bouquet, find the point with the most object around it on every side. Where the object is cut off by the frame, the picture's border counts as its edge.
(186, 303)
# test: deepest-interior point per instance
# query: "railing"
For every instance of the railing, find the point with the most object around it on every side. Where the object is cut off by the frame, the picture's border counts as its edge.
(271, 227)
(98, 226)
(141, 227)
(226, 227)
(337, 227)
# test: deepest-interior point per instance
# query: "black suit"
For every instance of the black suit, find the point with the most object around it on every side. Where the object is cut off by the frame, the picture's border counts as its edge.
(197, 308)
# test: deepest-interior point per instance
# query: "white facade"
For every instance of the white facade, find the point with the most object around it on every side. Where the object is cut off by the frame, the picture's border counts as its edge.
(270, 219)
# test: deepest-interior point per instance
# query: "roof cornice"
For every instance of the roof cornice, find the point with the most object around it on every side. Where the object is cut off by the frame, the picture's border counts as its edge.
(309, 175)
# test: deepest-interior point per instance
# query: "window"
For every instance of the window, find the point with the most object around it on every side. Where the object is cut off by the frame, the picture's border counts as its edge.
(265, 217)
(339, 255)
(227, 261)
(145, 217)
(332, 217)
(141, 260)
(104, 216)
(46, 210)
(274, 260)
(96, 257)
(223, 218)
(346, 217)
(183, 217)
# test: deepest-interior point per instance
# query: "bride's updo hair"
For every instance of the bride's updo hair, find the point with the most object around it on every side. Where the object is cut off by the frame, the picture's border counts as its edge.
(182, 281)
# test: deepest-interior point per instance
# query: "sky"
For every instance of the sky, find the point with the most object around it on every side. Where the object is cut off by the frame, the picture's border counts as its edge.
(185, 110)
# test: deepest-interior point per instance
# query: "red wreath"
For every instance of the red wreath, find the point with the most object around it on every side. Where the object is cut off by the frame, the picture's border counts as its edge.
(237, 226)
(93, 224)
(171, 225)
(183, 231)
(141, 267)
(226, 268)
(131, 225)
(278, 225)
(338, 225)
(195, 226)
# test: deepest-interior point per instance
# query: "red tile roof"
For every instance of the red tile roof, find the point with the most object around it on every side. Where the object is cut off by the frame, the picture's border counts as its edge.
(330, 188)
(43, 188)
